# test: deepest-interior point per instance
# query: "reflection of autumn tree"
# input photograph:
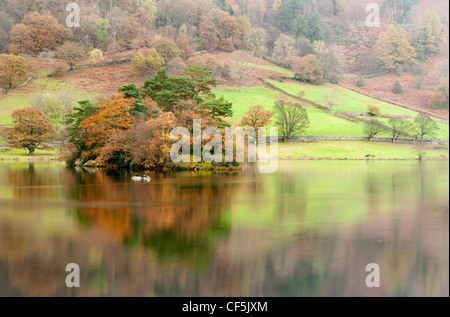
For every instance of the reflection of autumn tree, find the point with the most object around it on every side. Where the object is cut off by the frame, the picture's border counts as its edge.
(172, 217)
(30, 271)
(33, 181)
(120, 252)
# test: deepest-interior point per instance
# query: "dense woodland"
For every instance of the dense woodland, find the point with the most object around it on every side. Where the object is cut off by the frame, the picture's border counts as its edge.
(304, 35)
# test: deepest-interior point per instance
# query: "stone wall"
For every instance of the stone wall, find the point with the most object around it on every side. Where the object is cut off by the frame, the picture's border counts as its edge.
(316, 138)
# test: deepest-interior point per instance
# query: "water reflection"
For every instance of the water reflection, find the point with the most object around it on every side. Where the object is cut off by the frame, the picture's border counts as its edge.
(308, 230)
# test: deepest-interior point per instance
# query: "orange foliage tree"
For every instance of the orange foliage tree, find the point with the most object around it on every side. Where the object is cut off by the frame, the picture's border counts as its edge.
(112, 116)
(31, 128)
(257, 117)
(37, 33)
(146, 144)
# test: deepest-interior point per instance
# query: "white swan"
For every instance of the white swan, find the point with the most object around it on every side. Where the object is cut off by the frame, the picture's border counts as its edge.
(138, 177)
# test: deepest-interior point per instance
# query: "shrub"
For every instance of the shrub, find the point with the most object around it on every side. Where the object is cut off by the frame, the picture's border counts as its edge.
(360, 82)
(418, 82)
(58, 69)
(440, 98)
(397, 88)
(399, 70)
(308, 69)
(419, 69)
(374, 110)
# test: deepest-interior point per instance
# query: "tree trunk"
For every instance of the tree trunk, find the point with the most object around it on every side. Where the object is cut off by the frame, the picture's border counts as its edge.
(393, 139)
(31, 152)
(421, 139)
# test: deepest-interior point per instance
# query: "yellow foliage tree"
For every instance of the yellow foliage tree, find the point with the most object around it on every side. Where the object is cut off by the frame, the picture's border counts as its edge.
(13, 70)
(394, 49)
(147, 65)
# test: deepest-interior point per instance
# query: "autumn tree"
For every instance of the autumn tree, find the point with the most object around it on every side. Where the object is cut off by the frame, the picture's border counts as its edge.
(176, 67)
(13, 70)
(394, 49)
(147, 65)
(113, 48)
(31, 128)
(71, 52)
(155, 152)
(95, 56)
(226, 44)
(369, 65)
(399, 127)
(242, 70)
(258, 41)
(167, 49)
(291, 118)
(209, 61)
(131, 33)
(331, 66)
(209, 36)
(331, 97)
(184, 46)
(373, 109)
(228, 28)
(284, 47)
(424, 126)
(245, 30)
(34, 35)
(308, 69)
(440, 98)
(257, 117)
(372, 128)
(113, 115)
(116, 20)
(6, 24)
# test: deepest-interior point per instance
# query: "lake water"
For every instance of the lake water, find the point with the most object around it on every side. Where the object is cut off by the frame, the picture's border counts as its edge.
(309, 229)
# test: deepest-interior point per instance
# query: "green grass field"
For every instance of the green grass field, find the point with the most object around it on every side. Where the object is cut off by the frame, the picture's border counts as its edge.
(348, 100)
(284, 71)
(322, 123)
(243, 101)
(7, 153)
(356, 150)
(16, 100)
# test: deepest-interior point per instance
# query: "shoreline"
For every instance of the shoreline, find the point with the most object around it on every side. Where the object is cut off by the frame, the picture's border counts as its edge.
(360, 159)
(58, 160)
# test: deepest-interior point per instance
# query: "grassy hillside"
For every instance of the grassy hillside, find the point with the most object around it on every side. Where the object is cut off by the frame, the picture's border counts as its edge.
(322, 123)
(23, 97)
(348, 100)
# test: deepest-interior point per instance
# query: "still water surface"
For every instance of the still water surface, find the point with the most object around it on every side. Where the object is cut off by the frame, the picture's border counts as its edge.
(308, 230)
